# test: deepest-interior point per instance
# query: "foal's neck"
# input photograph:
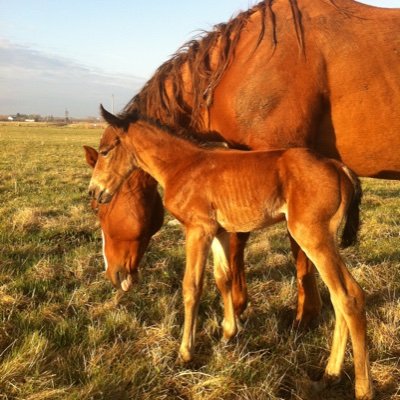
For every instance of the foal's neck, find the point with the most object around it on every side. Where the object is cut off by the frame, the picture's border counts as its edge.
(160, 153)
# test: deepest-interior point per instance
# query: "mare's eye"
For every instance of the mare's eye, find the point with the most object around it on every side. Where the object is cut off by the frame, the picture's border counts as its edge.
(105, 153)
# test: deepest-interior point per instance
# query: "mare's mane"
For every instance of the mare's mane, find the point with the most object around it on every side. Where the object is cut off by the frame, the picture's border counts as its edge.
(153, 99)
(157, 101)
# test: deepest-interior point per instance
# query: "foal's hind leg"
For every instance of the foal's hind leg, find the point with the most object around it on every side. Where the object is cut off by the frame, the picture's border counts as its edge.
(308, 299)
(348, 301)
(223, 278)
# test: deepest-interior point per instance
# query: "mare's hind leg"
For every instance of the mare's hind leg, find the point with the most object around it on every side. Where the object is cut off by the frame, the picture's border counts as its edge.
(237, 244)
(309, 302)
(348, 301)
(223, 278)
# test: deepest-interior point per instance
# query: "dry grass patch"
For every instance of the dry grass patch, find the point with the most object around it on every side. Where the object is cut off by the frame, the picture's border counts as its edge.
(27, 219)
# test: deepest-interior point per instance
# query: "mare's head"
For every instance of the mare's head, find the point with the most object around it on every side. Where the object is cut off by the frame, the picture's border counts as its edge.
(127, 223)
(114, 162)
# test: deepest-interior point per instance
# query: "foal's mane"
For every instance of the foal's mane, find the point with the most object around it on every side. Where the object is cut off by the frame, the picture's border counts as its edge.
(154, 100)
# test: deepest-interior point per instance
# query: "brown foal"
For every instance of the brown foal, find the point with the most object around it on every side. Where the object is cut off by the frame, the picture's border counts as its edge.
(128, 222)
(212, 192)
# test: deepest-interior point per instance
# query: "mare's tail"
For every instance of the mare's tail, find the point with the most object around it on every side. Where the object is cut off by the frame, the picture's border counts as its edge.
(352, 224)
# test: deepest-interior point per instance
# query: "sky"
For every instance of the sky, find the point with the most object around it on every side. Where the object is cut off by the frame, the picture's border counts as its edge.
(58, 55)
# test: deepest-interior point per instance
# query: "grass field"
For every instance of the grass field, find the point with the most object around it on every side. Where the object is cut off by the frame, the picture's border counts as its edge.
(64, 334)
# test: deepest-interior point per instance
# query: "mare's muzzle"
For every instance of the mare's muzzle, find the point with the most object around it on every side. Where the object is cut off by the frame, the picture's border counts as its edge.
(102, 196)
(123, 280)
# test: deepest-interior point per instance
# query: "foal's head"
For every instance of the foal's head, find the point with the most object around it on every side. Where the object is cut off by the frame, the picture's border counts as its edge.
(127, 223)
(113, 165)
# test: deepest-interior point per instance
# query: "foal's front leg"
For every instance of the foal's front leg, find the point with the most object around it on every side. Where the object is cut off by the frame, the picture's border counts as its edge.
(224, 276)
(198, 242)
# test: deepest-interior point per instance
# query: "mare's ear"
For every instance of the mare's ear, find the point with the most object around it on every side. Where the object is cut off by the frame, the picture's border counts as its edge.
(91, 155)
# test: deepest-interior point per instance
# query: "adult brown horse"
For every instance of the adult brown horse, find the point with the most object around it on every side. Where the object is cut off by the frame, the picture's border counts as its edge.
(214, 191)
(317, 73)
(134, 215)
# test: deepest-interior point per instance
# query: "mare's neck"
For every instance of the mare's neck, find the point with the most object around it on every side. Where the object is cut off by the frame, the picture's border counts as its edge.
(159, 153)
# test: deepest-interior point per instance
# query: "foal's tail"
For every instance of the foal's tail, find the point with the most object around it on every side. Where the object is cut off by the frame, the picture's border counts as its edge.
(352, 224)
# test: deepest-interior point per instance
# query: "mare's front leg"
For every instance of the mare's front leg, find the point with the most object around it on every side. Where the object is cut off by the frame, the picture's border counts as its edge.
(198, 242)
(309, 302)
(237, 244)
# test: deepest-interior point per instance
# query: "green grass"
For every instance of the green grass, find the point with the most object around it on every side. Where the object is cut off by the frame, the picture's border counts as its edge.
(65, 334)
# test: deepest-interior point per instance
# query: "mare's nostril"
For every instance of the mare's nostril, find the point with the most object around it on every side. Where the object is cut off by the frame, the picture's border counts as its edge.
(104, 197)
(100, 197)
(92, 190)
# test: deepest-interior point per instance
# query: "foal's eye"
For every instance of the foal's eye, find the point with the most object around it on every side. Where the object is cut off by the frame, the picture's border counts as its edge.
(104, 153)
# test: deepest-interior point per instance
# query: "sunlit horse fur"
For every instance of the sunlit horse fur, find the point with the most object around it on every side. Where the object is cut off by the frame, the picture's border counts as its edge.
(127, 223)
(133, 216)
(212, 192)
(322, 74)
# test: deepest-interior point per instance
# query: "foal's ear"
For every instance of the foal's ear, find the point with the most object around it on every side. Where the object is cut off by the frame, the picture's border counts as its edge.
(91, 155)
(112, 119)
(122, 121)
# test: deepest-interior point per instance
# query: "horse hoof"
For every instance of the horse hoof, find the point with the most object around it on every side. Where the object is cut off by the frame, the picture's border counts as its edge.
(365, 393)
(306, 322)
(365, 397)
(185, 356)
(229, 331)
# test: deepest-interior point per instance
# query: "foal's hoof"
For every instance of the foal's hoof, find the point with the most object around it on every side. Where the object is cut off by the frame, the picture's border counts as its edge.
(369, 396)
(229, 330)
(365, 391)
(185, 356)
(365, 397)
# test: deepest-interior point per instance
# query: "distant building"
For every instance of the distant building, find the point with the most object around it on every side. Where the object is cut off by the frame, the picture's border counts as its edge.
(10, 118)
